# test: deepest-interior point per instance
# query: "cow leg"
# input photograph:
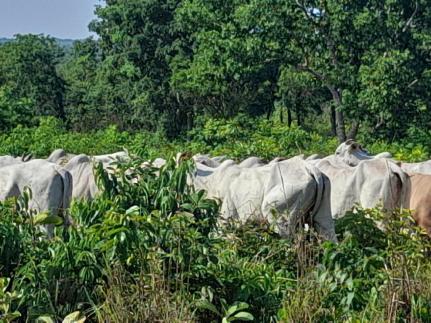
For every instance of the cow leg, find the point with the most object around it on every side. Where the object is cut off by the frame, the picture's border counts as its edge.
(279, 210)
(322, 220)
(228, 210)
(10, 189)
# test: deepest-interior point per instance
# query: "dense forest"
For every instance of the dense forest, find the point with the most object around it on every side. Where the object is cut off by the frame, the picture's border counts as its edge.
(163, 65)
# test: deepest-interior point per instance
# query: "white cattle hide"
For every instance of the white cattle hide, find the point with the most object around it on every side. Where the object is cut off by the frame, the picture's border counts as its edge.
(351, 153)
(51, 185)
(370, 183)
(251, 162)
(121, 156)
(60, 157)
(284, 194)
(418, 168)
(10, 160)
(84, 183)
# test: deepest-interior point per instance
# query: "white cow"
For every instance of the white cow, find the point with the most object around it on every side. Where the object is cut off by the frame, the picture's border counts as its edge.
(82, 169)
(51, 185)
(417, 168)
(314, 157)
(251, 162)
(60, 157)
(370, 183)
(215, 180)
(121, 156)
(207, 160)
(351, 153)
(10, 160)
(84, 182)
(284, 194)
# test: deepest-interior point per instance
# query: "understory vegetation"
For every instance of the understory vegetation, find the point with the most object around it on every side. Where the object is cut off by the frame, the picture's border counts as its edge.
(153, 251)
(237, 138)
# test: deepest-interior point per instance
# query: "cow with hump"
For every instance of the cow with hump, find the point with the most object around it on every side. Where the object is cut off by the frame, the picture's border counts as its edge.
(50, 184)
(284, 193)
(359, 178)
(411, 180)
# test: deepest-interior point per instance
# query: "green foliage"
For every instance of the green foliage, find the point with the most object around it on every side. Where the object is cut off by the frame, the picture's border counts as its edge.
(6, 300)
(239, 137)
(163, 65)
(242, 136)
(367, 274)
(153, 248)
(170, 69)
(29, 84)
(51, 134)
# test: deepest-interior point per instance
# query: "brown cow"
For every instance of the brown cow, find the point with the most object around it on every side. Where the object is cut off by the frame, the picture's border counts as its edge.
(419, 200)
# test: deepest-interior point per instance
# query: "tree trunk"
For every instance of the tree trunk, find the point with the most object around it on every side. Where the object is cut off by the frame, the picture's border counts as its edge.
(268, 114)
(341, 132)
(339, 116)
(289, 117)
(333, 123)
(353, 131)
(298, 116)
(189, 120)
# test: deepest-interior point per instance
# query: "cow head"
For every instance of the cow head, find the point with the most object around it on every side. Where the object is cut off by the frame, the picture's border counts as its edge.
(351, 153)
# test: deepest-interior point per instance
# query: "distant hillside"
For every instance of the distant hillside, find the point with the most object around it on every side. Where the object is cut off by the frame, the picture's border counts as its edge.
(66, 43)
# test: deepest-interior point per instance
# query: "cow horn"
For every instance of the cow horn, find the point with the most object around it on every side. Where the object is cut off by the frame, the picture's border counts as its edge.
(26, 157)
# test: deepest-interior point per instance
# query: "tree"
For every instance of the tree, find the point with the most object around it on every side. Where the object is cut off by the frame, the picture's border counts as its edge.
(301, 94)
(28, 74)
(137, 41)
(79, 71)
(236, 51)
(336, 40)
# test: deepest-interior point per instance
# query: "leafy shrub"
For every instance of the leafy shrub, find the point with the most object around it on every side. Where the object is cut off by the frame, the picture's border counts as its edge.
(242, 137)
(369, 276)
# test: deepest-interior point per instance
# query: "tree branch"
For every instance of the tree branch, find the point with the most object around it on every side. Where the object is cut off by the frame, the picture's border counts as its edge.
(410, 20)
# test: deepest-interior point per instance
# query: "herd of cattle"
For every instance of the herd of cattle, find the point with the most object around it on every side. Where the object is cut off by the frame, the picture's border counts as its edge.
(285, 192)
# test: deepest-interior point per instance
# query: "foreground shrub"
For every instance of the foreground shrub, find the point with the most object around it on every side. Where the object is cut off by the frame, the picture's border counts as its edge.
(153, 251)
(369, 276)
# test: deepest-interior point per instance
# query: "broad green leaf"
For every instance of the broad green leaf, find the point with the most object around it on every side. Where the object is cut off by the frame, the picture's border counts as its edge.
(75, 317)
(134, 210)
(205, 305)
(235, 307)
(45, 319)
(46, 218)
(243, 316)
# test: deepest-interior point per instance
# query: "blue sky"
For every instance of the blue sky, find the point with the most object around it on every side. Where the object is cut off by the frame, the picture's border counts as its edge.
(58, 18)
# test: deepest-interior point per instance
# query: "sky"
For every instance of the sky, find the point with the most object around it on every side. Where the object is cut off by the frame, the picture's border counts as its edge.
(57, 18)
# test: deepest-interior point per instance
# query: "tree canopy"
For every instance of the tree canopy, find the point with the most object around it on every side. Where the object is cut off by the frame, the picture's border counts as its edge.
(162, 64)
